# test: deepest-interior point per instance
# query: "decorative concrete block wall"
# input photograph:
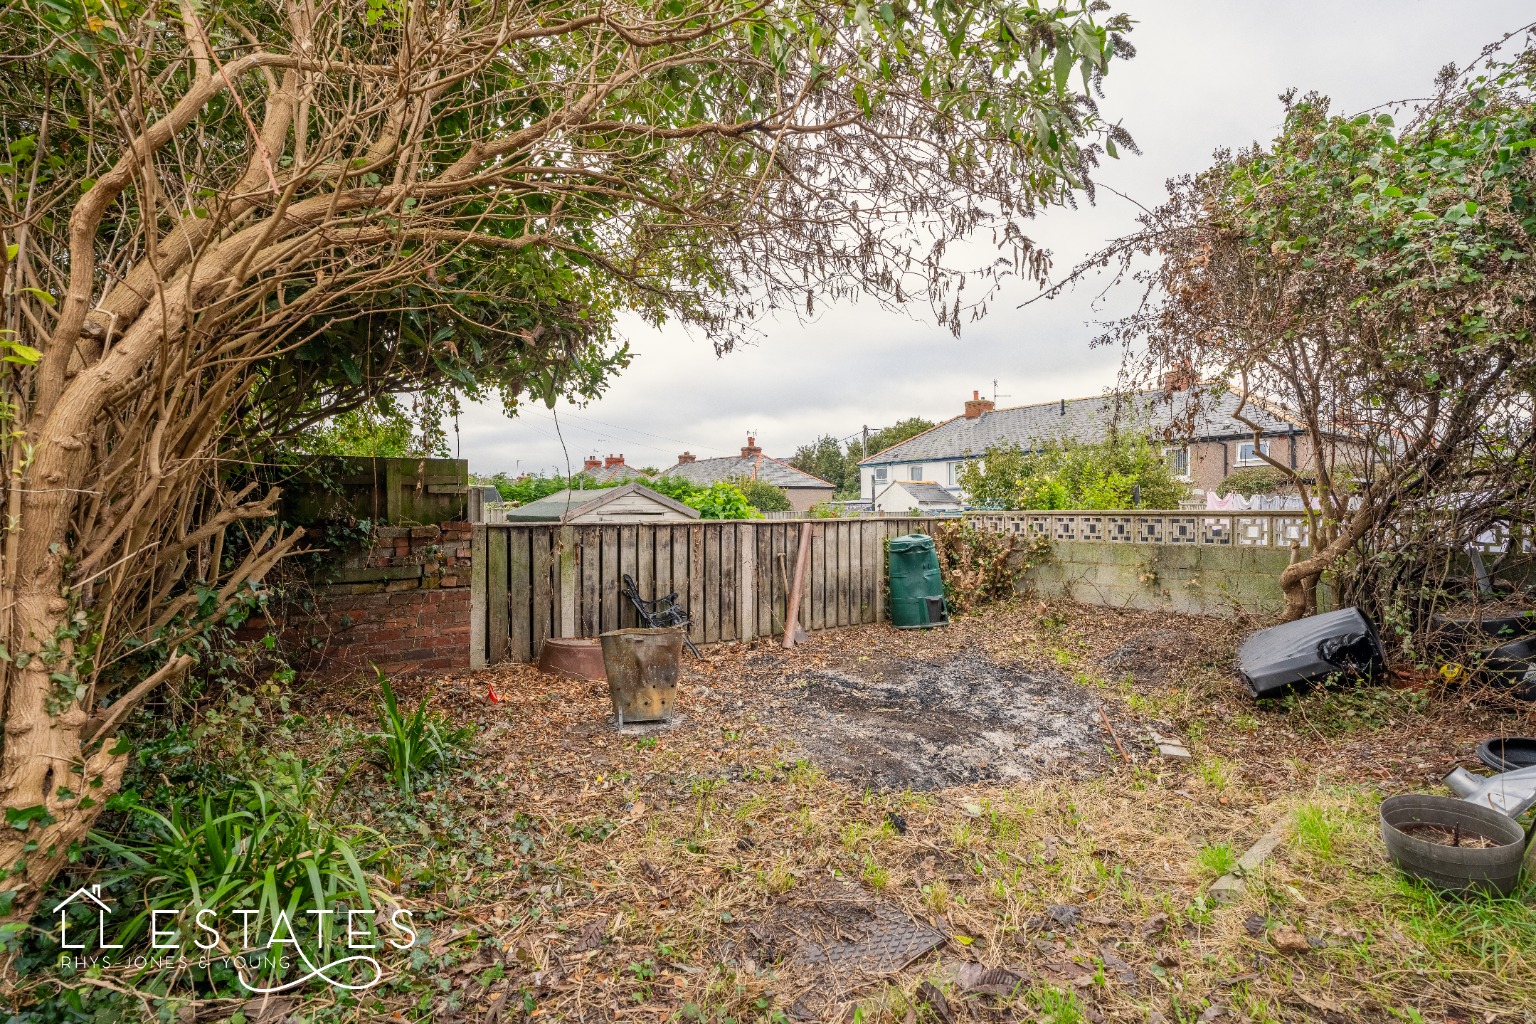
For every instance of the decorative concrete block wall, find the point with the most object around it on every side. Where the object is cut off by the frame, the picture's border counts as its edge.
(1197, 578)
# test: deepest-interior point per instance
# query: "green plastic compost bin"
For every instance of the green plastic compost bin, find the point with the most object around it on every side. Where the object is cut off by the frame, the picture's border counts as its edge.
(917, 590)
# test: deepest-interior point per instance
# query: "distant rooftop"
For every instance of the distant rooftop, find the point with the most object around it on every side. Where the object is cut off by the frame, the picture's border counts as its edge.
(1078, 419)
(751, 464)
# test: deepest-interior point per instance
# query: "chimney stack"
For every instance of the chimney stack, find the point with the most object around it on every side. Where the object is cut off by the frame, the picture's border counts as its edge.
(591, 462)
(976, 405)
(751, 450)
(1181, 378)
(685, 458)
(613, 460)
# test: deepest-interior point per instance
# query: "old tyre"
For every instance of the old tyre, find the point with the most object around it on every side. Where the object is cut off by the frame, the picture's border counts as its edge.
(1453, 868)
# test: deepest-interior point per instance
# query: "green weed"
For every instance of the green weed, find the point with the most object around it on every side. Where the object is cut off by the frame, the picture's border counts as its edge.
(1217, 859)
(412, 745)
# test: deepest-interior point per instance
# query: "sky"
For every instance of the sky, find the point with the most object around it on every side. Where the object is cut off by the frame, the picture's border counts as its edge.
(1207, 74)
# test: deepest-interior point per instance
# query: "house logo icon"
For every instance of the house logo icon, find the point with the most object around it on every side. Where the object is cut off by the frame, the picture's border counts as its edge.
(93, 895)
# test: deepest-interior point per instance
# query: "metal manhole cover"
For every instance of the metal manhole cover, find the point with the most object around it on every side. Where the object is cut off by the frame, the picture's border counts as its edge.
(857, 936)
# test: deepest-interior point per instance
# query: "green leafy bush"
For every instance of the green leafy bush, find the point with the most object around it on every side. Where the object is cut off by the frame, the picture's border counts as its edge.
(723, 501)
(1251, 480)
(412, 745)
(763, 496)
(1121, 471)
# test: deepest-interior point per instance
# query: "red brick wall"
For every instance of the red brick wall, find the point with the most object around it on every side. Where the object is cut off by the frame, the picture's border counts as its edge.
(402, 605)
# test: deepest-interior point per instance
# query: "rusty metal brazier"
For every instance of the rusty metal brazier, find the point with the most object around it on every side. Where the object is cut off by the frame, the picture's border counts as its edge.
(642, 673)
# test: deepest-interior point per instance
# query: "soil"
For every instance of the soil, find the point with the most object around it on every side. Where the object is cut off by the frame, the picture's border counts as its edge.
(930, 724)
(1442, 836)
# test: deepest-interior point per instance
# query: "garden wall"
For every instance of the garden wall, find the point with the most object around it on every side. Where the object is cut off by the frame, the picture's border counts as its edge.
(1204, 580)
(403, 605)
(1207, 563)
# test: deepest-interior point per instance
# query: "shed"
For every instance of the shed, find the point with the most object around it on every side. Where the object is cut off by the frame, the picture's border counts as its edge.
(916, 495)
(631, 503)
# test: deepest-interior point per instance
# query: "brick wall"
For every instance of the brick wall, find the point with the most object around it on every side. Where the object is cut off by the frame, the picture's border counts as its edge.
(402, 605)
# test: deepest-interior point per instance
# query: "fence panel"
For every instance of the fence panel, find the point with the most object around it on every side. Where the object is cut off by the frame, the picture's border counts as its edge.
(536, 581)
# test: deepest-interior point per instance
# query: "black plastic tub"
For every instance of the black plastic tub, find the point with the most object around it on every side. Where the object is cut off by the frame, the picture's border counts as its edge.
(1513, 665)
(1506, 753)
(1456, 869)
(1309, 650)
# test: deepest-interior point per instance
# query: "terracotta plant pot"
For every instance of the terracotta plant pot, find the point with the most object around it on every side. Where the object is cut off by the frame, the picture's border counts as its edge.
(578, 659)
(1460, 869)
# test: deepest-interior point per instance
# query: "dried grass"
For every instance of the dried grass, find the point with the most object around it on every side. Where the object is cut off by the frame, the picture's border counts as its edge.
(658, 858)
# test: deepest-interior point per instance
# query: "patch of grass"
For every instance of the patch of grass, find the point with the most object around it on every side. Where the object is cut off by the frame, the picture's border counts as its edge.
(776, 880)
(1317, 830)
(1217, 859)
(1055, 1006)
(1215, 772)
(646, 743)
(875, 876)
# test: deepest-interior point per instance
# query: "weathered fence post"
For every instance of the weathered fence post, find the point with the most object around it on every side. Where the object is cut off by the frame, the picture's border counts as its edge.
(746, 578)
(477, 604)
(567, 542)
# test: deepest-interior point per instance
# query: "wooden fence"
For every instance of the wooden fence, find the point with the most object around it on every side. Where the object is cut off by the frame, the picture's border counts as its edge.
(532, 582)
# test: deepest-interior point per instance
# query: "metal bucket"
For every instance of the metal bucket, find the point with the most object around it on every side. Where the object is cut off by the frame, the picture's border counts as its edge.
(642, 673)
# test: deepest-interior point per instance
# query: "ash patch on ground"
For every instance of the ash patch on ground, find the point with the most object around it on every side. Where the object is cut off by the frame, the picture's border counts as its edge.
(932, 724)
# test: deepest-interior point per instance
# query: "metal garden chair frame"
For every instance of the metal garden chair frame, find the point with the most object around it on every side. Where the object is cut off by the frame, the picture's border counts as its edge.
(661, 613)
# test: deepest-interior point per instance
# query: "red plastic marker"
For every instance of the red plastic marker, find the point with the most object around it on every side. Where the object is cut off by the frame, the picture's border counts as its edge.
(491, 693)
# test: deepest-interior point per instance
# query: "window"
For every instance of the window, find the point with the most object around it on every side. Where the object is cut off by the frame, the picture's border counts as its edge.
(954, 473)
(880, 474)
(916, 473)
(1178, 461)
(1246, 456)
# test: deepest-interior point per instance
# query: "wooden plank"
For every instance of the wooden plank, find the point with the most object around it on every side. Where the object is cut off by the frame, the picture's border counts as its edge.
(608, 581)
(545, 585)
(519, 602)
(628, 556)
(746, 581)
(645, 564)
(844, 561)
(662, 569)
(712, 583)
(796, 611)
(829, 576)
(874, 571)
(856, 584)
(589, 545)
(694, 552)
(496, 595)
(570, 571)
(818, 574)
(762, 576)
(477, 612)
(728, 582)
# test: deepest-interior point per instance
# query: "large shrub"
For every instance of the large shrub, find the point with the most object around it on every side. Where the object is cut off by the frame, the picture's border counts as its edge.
(1121, 471)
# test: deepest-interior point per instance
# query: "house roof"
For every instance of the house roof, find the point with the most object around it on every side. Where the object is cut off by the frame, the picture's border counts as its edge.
(1085, 420)
(564, 506)
(926, 492)
(609, 474)
(704, 472)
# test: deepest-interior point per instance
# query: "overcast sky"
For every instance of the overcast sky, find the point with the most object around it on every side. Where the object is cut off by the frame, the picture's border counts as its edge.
(1207, 74)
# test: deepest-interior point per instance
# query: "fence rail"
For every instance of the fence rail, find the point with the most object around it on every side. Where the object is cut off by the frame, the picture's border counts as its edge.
(536, 581)
(1224, 529)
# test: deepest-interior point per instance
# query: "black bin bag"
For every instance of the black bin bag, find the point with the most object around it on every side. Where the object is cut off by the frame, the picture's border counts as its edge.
(1309, 650)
